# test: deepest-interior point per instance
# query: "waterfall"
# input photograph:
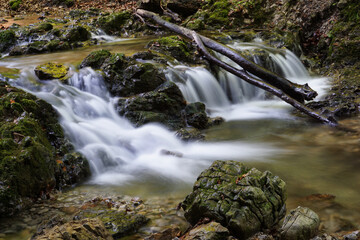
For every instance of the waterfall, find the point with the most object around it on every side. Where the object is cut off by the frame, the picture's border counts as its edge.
(232, 98)
(117, 151)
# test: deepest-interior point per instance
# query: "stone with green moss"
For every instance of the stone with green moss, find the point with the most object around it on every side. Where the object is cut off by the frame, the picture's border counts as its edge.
(31, 150)
(164, 105)
(114, 23)
(95, 59)
(242, 199)
(77, 34)
(119, 223)
(50, 71)
(14, 4)
(174, 46)
(7, 40)
(196, 115)
(44, 27)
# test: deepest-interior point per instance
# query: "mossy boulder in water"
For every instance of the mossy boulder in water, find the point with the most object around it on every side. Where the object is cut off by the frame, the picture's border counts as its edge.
(95, 59)
(33, 150)
(114, 23)
(50, 70)
(43, 27)
(196, 115)
(173, 46)
(242, 199)
(77, 34)
(14, 4)
(7, 40)
(163, 105)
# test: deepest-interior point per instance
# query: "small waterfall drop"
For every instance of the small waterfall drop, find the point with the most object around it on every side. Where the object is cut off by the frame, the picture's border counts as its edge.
(233, 98)
(117, 151)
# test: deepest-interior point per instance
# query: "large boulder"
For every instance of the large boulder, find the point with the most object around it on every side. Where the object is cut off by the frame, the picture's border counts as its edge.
(242, 199)
(35, 157)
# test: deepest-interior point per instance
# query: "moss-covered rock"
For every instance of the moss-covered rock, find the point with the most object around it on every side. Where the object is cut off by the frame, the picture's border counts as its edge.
(88, 228)
(32, 149)
(7, 40)
(95, 59)
(119, 223)
(164, 105)
(50, 71)
(226, 14)
(300, 224)
(14, 4)
(77, 34)
(43, 27)
(174, 46)
(242, 199)
(114, 23)
(196, 115)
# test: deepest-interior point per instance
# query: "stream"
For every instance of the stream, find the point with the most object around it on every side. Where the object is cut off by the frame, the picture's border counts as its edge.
(311, 158)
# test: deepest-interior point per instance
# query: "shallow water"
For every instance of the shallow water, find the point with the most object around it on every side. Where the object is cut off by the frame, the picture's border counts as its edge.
(311, 158)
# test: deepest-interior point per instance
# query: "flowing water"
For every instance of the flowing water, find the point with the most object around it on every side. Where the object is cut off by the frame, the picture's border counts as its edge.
(260, 131)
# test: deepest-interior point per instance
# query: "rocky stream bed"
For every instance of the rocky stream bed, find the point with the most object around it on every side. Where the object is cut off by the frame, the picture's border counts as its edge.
(41, 163)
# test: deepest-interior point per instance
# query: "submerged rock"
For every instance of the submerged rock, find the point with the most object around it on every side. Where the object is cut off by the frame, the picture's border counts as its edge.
(300, 224)
(242, 199)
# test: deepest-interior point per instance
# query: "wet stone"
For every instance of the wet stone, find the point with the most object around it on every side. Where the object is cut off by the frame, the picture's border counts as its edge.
(242, 199)
(300, 224)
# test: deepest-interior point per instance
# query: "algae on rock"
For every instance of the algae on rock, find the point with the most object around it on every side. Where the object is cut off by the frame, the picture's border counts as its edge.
(242, 199)
(33, 150)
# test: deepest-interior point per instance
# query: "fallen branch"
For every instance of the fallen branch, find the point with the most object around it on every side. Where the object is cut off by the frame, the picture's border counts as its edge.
(263, 85)
(289, 92)
(296, 91)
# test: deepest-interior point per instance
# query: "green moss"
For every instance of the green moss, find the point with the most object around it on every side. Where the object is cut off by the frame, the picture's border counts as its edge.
(96, 59)
(52, 71)
(78, 33)
(173, 45)
(351, 13)
(44, 27)
(14, 4)
(7, 40)
(29, 138)
(113, 23)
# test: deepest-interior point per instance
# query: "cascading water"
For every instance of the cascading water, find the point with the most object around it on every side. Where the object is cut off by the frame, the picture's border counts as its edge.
(119, 152)
(233, 98)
